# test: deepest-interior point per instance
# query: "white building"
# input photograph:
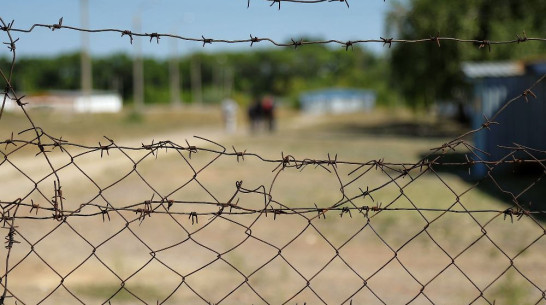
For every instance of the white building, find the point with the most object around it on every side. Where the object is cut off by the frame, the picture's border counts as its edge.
(70, 101)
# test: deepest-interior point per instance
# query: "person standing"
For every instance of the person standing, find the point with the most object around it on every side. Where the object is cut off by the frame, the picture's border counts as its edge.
(268, 109)
(229, 114)
(255, 114)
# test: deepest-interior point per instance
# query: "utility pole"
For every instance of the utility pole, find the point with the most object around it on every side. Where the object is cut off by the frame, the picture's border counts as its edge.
(174, 75)
(85, 60)
(228, 81)
(138, 70)
(196, 89)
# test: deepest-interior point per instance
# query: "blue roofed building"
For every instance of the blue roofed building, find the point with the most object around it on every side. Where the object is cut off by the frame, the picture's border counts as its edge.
(336, 100)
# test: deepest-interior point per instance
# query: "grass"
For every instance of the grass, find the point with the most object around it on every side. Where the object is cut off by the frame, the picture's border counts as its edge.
(90, 128)
(120, 294)
(366, 246)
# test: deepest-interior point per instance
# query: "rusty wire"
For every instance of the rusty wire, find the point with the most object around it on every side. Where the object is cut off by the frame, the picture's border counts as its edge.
(385, 41)
(358, 200)
(278, 2)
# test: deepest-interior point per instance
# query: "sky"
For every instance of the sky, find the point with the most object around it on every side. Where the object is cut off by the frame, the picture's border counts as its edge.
(218, 19)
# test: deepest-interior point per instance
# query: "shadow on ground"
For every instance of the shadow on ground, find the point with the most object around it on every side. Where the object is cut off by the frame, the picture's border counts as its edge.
(443, 129)
(526, 182)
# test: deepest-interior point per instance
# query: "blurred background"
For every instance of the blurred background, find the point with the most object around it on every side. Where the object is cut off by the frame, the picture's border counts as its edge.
(175, 72)
(369, 101)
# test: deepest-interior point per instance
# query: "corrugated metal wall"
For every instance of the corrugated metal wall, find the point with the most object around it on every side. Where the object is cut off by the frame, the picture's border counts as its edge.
(522, 122)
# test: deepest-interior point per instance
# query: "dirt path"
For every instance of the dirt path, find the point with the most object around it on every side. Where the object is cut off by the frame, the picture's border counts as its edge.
(21, 171)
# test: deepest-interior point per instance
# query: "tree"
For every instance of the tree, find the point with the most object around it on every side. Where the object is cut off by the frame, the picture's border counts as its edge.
(284, 72)
(425, 72)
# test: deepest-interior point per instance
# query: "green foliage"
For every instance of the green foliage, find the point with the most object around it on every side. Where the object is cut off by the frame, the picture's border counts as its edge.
(424, 72)
(283, 72)
(114, 72)
(288, 72)
(35, 74)
(103, 291)
(134, 117)
(511, 290)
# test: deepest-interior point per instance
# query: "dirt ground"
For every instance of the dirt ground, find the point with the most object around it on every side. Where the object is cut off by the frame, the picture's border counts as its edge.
(388, 257)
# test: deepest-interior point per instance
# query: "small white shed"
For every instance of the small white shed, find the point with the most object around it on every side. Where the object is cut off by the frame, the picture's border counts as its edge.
(71, 101)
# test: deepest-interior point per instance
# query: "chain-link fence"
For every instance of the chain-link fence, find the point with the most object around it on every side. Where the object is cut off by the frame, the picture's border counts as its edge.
(199, 222)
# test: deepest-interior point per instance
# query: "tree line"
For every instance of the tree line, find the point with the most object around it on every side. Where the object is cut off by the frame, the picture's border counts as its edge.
(280, 72)
(412, 74)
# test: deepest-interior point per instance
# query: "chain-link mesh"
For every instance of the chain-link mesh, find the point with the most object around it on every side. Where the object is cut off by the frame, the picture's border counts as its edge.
(201, 223)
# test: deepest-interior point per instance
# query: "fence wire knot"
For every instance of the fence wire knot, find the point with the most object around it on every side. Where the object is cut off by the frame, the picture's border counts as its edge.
(518, 212)
(387, 41)
(239, 154)
(253, 39)
(11, 44)
(7, 27)
(521, 39)
(349, 44)
(436, 39)
(296, 44)
(10, 238)
(128, 33)
(58, 25)
(154, 35)
(528, 93)
(193, 217)
(206, 40)
(485, 43)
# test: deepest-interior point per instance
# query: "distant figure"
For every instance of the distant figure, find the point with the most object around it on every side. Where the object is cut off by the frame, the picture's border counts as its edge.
(229, 114)
(255, 115)
(268, 111)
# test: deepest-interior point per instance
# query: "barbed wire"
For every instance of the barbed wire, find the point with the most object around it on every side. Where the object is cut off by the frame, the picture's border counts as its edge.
(400, 169)
(278, 2)
(381, 224)
(435, 38)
